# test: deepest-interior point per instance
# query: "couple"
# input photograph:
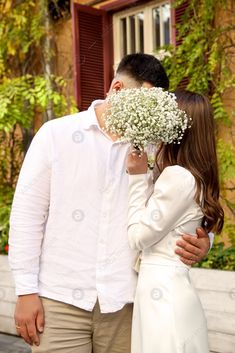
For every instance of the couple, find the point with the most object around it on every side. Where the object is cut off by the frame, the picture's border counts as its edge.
(78, 222)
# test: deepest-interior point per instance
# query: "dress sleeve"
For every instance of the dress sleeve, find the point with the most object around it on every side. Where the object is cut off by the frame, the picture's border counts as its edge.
(29, 213)
(150, 220)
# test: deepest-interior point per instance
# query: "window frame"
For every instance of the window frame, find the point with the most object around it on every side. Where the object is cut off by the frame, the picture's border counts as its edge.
(147, 9)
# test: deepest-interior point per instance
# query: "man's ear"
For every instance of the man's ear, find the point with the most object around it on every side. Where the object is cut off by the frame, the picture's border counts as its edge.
(117, 85)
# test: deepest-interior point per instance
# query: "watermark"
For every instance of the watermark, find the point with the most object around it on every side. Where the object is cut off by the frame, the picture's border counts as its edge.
(78, 136)
(169, 245)
(155, 215)
(156, 294)
(78, 294)
(78, 215)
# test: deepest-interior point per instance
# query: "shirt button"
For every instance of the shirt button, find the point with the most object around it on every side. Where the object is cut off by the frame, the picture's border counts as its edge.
(105, 214)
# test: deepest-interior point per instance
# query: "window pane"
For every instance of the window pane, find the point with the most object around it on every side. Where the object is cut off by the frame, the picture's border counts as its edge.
(166, 23)
(140, 18)
(132, 34)
(123, 37)
(156, 28)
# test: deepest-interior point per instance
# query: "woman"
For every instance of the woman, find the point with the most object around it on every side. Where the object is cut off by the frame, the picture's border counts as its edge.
(168, 316)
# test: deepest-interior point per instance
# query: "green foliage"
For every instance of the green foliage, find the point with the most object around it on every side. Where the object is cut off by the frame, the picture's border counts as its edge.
(21, 96)
(20, 33)
(230, 230)
(26, 91)
(204, 58)
(226, 160)
(10, 159)
(6, 196)
(219, 257)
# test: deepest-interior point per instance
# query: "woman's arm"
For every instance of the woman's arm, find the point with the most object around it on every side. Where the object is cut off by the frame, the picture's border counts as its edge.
(173, 195)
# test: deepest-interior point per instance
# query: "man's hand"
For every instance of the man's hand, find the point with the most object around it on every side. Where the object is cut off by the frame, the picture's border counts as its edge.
(29, 318)
(191, 249)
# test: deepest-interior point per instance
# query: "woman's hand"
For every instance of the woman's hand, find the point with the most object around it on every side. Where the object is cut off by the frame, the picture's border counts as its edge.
(137, 162)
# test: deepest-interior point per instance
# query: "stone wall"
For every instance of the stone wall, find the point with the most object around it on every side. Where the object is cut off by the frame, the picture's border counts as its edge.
(216, 290)
(7, 297)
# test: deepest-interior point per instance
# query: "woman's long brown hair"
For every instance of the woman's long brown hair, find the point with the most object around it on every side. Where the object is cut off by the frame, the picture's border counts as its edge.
(197, 153)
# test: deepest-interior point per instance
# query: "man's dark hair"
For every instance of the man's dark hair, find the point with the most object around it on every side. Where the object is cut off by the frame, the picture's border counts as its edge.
(144, 68)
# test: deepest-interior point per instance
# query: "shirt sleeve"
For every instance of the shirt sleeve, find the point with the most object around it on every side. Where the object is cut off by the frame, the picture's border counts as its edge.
(29, 213)
(149, 221)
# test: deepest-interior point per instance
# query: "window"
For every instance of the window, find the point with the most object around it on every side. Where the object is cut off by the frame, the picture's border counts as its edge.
(132, 34)
(161, 25)
(141, 29)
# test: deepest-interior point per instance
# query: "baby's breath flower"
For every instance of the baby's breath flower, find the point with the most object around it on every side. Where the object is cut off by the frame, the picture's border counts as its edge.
(145, 116)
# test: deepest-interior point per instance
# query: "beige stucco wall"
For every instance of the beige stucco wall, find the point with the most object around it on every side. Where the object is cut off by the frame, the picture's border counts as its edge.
(64, 55)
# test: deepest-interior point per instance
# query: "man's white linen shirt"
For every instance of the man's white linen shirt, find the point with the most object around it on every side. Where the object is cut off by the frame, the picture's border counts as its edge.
(68, 226)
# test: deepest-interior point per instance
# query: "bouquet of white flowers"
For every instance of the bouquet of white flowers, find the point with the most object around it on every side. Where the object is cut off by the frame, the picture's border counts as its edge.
(145, 116)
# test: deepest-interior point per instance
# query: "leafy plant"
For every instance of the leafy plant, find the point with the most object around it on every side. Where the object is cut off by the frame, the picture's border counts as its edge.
(219, 257)
(6, 197)
(21, 97)
(30, 92)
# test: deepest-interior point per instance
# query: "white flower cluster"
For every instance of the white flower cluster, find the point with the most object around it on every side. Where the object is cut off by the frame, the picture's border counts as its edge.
(145, 116)
(161, 54)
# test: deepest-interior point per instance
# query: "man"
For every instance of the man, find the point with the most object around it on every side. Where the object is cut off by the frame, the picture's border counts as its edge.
(69, 251)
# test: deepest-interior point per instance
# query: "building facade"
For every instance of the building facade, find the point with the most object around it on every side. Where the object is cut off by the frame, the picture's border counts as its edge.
(105, 31)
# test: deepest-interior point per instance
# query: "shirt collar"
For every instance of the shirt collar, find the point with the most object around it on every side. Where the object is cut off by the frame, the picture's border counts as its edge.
(91, 119)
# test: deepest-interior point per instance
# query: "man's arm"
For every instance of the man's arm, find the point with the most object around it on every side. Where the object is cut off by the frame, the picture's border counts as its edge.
(28, 216)
(191, 249)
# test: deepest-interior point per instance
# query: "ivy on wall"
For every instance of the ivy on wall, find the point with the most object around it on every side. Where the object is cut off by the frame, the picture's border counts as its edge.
(204, 60)
(29, 90)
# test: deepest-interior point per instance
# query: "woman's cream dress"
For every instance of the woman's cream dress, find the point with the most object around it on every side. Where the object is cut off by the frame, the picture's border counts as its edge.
(168, 316)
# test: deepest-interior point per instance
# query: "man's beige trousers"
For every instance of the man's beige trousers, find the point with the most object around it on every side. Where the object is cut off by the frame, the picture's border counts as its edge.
(69, 329)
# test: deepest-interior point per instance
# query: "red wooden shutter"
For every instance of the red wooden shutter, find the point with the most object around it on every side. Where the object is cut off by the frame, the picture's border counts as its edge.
(92, 35)
(177, 18)
(179, 13)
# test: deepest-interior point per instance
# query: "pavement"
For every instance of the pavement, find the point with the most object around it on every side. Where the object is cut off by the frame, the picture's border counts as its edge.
(13, 344)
